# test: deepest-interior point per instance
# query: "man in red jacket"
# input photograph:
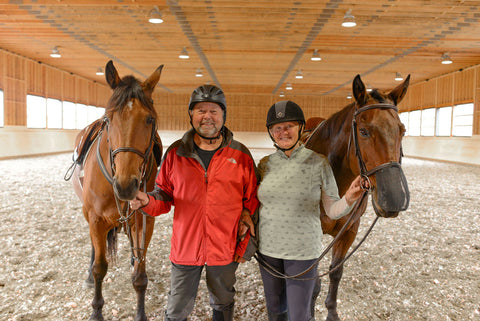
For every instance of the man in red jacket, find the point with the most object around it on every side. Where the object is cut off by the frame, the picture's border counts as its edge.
(210, 180)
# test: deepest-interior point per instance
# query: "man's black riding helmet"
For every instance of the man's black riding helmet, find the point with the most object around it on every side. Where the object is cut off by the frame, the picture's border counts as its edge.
(284, 111)
(209, 93)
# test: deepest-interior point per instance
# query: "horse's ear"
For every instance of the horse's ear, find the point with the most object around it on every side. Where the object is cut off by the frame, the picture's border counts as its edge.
(397, 94)
(149, 84)
(111, 75)
(359, 91)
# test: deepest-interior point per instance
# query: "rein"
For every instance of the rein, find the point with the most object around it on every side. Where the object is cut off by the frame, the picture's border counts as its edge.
(124, 211)
(355, 214)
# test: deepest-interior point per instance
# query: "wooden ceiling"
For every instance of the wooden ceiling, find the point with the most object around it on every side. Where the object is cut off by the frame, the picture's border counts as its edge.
(249, 46)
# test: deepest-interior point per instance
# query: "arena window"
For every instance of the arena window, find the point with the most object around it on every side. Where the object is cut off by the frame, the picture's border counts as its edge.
(2, 110)
(428, 122)
(94, 113)
(69, 115)
(414, 122)
(54, 113)
(82, 116)
(404, 119)
(36, 112)
(444, 121)
(462, 123)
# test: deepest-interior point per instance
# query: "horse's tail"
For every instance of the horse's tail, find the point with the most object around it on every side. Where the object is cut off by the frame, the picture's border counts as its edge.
(112, 245)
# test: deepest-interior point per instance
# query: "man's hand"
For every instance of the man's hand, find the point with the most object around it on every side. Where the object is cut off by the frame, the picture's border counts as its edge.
(139, 201)
(244, 225)
(239, 259)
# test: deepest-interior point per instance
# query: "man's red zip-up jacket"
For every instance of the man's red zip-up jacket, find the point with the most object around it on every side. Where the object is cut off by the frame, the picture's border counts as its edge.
(207, 203)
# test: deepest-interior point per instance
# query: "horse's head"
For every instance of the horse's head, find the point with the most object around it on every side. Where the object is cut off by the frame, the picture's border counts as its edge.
(377, 146)
(131, 127)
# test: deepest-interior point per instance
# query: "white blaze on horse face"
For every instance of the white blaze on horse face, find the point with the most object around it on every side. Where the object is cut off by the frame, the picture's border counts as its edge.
(130, 104)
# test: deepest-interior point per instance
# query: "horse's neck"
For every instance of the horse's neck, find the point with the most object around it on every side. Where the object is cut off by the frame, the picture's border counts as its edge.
(339, 154)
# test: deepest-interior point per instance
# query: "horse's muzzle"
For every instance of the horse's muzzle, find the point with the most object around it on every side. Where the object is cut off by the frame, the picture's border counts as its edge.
(391, 193)
(126, 191)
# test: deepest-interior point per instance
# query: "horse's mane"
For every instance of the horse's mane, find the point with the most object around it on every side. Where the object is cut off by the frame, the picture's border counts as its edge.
(335, 122)
(129, 88)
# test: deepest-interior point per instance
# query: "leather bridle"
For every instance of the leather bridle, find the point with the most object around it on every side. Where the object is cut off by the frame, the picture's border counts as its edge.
(124, 211)
(364, 172)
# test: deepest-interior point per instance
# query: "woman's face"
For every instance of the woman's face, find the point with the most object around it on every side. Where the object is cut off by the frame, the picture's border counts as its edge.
(285, 134)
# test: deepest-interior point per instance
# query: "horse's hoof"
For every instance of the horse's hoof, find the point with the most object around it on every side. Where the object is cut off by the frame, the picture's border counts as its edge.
(96, 318)
(88, 284)
(141, 318)
(332, 317)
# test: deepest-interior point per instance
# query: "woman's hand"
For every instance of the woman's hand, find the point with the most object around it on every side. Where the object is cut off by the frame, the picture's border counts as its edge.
(355, 190)
(141, 200)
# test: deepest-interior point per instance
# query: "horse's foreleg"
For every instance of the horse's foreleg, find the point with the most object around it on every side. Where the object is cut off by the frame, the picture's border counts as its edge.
(89, 283)
(139, 275)
(98, 270)
(140, 282)
(331, 300)
(338, 254)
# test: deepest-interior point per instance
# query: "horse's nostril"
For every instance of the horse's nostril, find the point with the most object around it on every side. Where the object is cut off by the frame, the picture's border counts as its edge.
(135, 183)
(126, 190)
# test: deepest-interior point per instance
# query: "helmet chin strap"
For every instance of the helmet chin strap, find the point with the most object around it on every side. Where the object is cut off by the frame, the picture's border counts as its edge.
(290, 148)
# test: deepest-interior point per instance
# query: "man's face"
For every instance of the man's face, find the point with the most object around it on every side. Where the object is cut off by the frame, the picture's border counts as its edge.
(207, 118)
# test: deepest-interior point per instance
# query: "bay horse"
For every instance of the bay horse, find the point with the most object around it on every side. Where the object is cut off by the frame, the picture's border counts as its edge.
(364, 138)
(116, 156)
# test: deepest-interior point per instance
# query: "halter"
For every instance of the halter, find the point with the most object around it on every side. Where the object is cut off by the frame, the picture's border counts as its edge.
(124, 213)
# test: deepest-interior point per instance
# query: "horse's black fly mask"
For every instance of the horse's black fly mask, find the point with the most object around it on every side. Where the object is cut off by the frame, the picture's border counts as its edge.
(392, 189)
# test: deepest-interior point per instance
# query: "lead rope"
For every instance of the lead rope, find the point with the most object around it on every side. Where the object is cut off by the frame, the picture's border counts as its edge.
(272, 271)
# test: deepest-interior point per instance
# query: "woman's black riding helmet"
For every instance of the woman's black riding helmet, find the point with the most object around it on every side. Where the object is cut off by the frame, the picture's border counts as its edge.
(284, 111)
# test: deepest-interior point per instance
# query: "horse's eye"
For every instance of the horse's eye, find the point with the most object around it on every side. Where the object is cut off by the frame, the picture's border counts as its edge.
(149, 119)
(363, 132)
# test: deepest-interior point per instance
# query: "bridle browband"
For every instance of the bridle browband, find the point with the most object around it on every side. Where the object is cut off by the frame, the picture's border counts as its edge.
(123, 211)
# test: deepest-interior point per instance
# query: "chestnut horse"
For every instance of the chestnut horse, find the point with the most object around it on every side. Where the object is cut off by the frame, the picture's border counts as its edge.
(118, 161)
(364, 138)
